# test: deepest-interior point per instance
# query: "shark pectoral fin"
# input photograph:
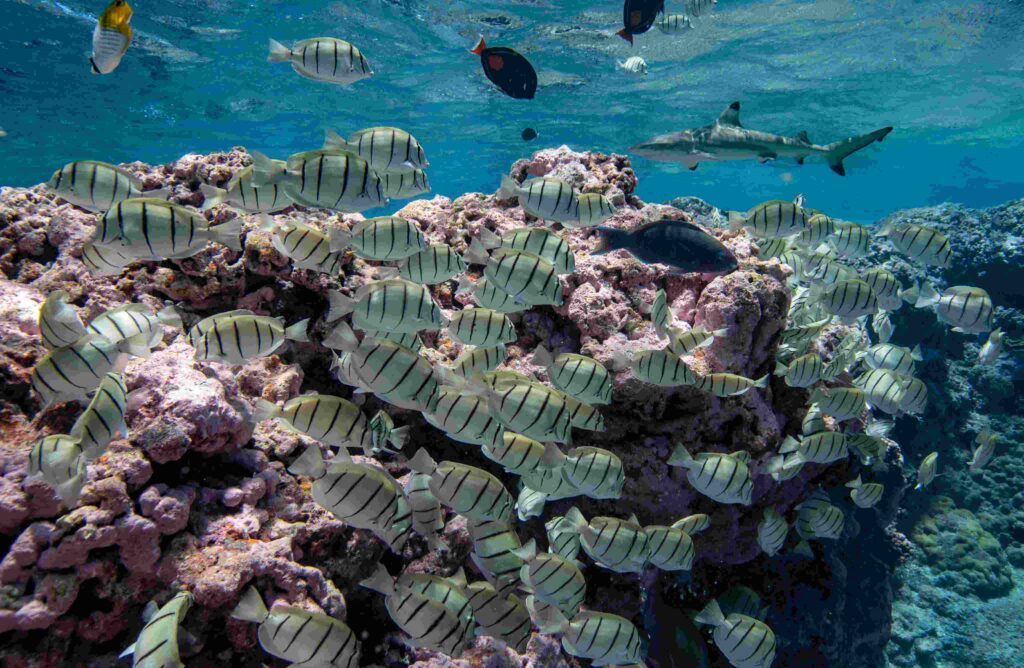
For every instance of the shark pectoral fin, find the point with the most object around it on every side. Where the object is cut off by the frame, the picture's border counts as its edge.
(691, 162)
(767, 156)
(731, 115)
(800, 161)
(693, 167)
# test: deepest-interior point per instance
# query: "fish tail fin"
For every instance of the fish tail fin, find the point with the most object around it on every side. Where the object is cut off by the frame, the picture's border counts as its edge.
(386, 273)
(921, 296)
(886, 230)
(278, 53)
(509, 188)
(548, 619)
(480, 46)
(464, 284)
(160, 193)
(169, 316)
(915, 354)
(422, 462)
(297, 332)
(212, 196)
(575, 517)
(339, 305)
(776, 465)
(542, 357)
(251, 607)
(680, 457)
(553, 457)
(333, 140)
(339, 238)
(880, 428)
(399, 437)
(488, 238)
(381, 581)
(711, 615)
(626, 36)
(836, 152)
(228, 234)
(609, 239)
(341, 338)
(476, 253)
(71, 490)
(621, 360)
(310, 463)
(803, 548)
(780, 368)
(762, 382)
(855, 483)
(266, 410)
(135, 346)
(527, 551)
(790, 444)
(736, 220)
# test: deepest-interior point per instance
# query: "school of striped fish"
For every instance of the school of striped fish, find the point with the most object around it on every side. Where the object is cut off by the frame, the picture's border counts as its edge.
(523, 424)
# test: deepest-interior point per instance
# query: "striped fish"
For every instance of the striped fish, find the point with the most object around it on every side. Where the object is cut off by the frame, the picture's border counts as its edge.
(742, 601)
(968, 309)
(596, 472)
(926, 472)
(583, 416)
(539, 241)
(383, 431)
(685, 342)
(594, 209)
(865, 494)
(661, 316)
(699, 7)
(58, 320)
(469, 491)
(388, 368)
(72, 372)
(436, 264)
(849, 299)
(333, 421)
(540, 487)
(323, 59)
(104, 261)
(307, 247)
(817, 518)
(146, 228)
(920, 243)
(531, 409)
(546, 198)
(517, 454)
(97, 186)
(479, 360)
(729, 384)
(604, 638)
(134, 320)
(429, 624)
(915, 396)
(465, 417)
(111, 37)
(769, 248)
(388, 150)
(813, 421)
(801, 334)
(886, 286)
(103, 419)
(772, 219)
(487, 295)
(693, 524)
(662, 367)
(893, 357)
(406, 185)
(241, 193)
(992, 348)
(582, 377)
(395, 305)
(851, 240)
(804, 371)
(673, 24)
(551, 578)
(427, 514)
(883, 389)
(481, 327)
(157, 644)
(881, 323)
(842, 403)
(326, 179)
(771, 532)
(745, 641)
(822, 448)
(502, 617)
(196, 332)
(385, 238)
(986, 447)
(494, 553)
(825, 269)
(783, 468)
(723, 478)
(618, 545)
(563, 539)
(528, 278)
(493, 379)
(670, 549)
(449, 592)
(58, 460)
(297, 635)
(236, 339)
(795, 259)
(360, 495)
(819, 228)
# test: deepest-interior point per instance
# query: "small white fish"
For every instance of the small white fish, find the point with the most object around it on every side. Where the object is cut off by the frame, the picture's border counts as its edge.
(111, 38)
(986, 442)
(992, 348)
(634, 65)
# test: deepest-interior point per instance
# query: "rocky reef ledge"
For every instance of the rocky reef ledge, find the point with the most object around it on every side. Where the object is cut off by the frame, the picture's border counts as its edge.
(199, 498)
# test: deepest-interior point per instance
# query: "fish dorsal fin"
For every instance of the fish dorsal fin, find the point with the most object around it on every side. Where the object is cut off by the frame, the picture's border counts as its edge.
(741, 455)
(657, 223)
(731, 115)
(802, 136)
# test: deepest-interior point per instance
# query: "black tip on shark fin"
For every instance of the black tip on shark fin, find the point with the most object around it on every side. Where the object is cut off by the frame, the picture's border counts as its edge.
(731, 115)
(839, 169)
(694, 166)
(735, 106)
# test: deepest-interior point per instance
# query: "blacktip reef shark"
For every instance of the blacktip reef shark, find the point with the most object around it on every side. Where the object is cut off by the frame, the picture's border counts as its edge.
(727, 139)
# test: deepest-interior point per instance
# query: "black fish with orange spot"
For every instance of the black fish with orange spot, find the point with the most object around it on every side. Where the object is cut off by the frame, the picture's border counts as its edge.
(508, 70)
(681, 245)
(638, 16)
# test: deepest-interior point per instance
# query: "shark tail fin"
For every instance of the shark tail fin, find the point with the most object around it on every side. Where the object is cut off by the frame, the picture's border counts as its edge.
(836, 152)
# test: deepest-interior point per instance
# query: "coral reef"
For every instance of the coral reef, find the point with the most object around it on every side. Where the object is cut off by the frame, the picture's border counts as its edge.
(199, 497)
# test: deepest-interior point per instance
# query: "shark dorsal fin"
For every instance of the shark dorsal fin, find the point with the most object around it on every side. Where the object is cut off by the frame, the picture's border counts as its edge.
(802, 136)
(731, 115)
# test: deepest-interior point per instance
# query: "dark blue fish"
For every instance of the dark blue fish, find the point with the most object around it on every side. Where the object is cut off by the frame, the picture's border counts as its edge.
(681, 245)
(529, 134)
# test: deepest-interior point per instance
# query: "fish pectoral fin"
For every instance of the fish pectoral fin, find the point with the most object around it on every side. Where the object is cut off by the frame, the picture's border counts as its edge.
(800, 161)
(767, 156)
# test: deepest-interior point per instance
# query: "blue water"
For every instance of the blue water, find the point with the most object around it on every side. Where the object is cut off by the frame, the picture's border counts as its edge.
(948, 75)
